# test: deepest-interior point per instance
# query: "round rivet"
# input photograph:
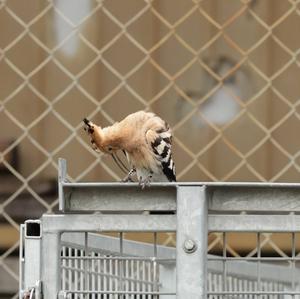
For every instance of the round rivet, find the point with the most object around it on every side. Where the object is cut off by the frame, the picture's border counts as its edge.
(189, 246)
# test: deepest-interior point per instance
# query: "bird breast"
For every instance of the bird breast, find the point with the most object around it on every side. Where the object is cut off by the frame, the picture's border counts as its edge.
(143, 158)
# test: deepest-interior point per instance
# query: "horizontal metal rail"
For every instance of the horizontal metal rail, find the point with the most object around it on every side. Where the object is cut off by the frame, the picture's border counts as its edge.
(221, 196)
(108, 223)
(63, 293)
(167, 223)
(118, 258)
(254, 293)
(252, 259)
(254, 223)
(254, 197)
(118, 198)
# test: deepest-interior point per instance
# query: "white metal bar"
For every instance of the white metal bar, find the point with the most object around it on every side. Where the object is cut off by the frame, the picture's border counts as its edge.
(93, 274)
(64, 263)
(110, 271)
(121, 265)
(81, 273)
(143, 278)
(224, 274)
(116, 281)
(86, 262)
(149, 286)
(132, 271)
(70, 269)
(155, 268)
(99, 280)
(127, 278)
(139, 282)
(76, 252)
(105, 279)
(293, 261)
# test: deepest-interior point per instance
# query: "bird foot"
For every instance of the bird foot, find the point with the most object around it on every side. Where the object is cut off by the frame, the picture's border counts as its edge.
(128, 177)
(146, 182)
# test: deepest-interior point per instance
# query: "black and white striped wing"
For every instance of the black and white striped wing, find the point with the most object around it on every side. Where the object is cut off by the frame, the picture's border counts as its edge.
(161, 145)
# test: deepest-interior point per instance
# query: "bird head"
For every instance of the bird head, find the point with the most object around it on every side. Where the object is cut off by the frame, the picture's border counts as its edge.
(99, 139)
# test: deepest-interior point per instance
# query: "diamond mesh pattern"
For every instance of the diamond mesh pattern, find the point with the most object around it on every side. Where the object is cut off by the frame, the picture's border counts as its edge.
(63, 60)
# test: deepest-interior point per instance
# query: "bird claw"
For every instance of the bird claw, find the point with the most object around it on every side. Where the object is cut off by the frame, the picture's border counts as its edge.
(128, 177)
(146, 182)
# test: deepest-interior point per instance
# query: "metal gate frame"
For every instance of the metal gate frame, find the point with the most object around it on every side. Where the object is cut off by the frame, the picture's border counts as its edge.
(200, 208)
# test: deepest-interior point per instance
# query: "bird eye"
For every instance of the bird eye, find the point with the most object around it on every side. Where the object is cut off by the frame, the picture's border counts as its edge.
(109, 148)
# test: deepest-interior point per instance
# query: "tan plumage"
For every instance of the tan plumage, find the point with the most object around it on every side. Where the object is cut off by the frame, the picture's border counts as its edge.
(145, 138)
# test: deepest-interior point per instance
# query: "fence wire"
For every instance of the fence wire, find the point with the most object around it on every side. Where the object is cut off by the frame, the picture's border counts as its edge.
(224, 74)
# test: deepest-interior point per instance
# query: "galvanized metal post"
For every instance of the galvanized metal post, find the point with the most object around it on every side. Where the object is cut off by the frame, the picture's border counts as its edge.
(191, 242)
(51, 264)
(62, 174)
(32, 254)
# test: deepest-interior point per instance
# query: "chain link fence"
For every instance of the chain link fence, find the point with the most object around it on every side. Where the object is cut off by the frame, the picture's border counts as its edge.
(224, 74)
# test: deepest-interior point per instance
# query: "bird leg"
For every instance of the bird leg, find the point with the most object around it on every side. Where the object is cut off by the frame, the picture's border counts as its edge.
(146, 181)
(128, 177)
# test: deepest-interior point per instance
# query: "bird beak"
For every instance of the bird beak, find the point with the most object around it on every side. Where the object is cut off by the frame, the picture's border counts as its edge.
(88, 126)
(86, 121)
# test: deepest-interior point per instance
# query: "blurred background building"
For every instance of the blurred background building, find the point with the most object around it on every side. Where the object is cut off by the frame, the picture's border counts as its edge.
(224, 74)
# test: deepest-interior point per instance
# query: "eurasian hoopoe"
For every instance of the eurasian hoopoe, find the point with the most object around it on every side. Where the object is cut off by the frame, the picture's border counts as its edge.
(145, 139)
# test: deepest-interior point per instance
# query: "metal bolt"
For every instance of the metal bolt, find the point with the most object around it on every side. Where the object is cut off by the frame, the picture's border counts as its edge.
(189, 246)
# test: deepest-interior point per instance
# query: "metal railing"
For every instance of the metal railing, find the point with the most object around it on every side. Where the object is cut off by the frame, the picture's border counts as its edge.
(63, 257)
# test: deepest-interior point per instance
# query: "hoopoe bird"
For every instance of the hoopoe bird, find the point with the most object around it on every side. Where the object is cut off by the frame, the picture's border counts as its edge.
(145, 139)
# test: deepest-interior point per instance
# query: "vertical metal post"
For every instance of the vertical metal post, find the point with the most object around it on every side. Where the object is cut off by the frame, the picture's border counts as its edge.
(51, 276)
(62, 173)
(30, 254)
(191, 244)
(21, 261)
